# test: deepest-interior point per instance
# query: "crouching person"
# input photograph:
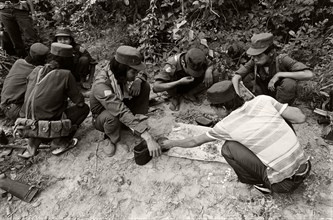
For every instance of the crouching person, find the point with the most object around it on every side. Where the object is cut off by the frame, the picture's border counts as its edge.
(186, 75)
(15, 84)
(46, 103)
(120, 96)
(83, 64)
(260, 146)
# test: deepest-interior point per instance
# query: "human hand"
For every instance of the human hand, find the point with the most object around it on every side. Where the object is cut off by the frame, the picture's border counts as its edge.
(186, 80)
(154, 148)
(272, 82)
(208, 81)
(135, 87)
(166, 144)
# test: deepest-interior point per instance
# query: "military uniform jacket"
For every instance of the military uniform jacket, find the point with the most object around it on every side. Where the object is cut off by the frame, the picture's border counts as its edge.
(106, 95)
(280, 63)
(15, 84)
(51, 94)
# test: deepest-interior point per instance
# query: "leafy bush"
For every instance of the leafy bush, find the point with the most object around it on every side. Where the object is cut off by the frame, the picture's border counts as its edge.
(161, 28)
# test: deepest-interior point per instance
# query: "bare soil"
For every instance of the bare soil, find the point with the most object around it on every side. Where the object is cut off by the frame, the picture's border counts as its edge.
(85, 184)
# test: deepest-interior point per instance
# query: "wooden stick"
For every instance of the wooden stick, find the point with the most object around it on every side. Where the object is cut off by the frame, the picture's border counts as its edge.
(326, 86)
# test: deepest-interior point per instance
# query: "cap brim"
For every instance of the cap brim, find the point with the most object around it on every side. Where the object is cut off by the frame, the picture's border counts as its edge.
(62, 35)
(252, 52)
(139, 67)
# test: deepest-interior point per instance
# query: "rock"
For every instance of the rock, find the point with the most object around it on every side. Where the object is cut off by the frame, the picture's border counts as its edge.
(36, 204)
(119, 179)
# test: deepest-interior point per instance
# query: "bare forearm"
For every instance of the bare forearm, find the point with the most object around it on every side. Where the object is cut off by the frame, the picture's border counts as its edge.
(300, 75)
(160, 87)
(184, 143)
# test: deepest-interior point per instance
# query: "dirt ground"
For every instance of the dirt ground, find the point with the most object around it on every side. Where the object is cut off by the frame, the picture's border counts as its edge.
(85, 184)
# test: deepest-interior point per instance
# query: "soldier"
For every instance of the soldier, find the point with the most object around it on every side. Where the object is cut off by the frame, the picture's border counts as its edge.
(15, 84)
(184, 75)
(120, 95)
(17, 21)
(83, 63)
(48, 90)
(269, 73)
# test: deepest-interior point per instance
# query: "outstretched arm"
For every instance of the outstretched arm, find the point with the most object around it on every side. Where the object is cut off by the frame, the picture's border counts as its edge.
(160, 86)
(187, 142)
(235, 82)
(299, 75)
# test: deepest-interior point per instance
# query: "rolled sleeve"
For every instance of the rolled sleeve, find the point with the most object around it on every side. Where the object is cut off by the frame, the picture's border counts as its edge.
(166, 73)
(289, 64)
(117, 108)
(243, 71)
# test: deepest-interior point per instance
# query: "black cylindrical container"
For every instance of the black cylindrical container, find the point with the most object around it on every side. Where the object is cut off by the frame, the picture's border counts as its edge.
(141, 153)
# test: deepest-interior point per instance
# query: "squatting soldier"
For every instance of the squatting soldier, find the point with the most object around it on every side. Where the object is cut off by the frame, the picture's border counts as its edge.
(269, 73)
(15, 84)
(120, 96)
(185, 75)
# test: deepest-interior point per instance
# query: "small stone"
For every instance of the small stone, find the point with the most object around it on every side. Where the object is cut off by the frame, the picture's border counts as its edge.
(36, 204)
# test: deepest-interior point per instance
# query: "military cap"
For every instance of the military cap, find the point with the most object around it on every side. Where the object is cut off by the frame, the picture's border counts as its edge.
(259, 43)
(221, 92)
(38, 49)
(196, 62)
(130, 56)
(61, 50)
(63, 32)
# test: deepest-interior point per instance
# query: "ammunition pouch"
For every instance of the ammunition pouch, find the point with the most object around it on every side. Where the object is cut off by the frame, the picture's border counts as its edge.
(29, 128)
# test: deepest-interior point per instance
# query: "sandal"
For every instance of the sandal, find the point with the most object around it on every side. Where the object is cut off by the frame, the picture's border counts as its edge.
(63, 149)
(27, 155)
(174, 104)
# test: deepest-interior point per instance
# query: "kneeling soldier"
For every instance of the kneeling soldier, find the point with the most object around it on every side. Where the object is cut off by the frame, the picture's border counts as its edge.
(48, 90)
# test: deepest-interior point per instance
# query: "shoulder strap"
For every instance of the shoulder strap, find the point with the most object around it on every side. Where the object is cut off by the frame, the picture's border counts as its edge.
(255, 78)
(32, 96)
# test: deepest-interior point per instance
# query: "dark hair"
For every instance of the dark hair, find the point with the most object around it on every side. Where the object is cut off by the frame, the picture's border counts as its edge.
(270, 49)
(36, 60)
(118, 69)
(231, 105)
(63, 62)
